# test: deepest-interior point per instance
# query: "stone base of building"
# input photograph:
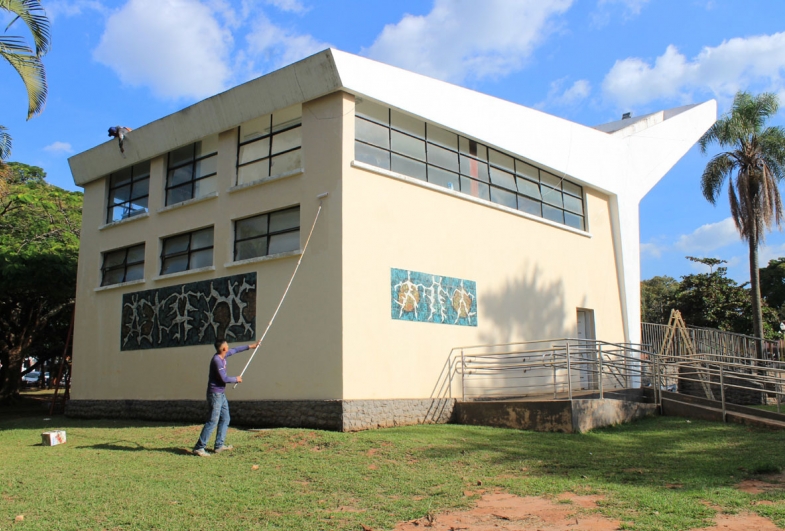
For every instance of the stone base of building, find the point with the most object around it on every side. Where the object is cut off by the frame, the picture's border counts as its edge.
(338, 415)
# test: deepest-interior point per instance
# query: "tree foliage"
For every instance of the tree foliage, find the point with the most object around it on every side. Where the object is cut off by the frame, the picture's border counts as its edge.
(752, 162)
(24, 59)
(39, 248)
(772, 285)
(710, 300)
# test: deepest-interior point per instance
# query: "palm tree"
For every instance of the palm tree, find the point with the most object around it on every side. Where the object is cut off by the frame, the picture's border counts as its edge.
(753, 165)
(26, 61)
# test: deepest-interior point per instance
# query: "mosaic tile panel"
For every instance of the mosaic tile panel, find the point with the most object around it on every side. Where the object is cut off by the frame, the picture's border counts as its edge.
(190, 314)
(430, 298)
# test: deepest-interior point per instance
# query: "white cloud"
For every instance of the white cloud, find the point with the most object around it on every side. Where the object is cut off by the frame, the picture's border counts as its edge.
(276, 47)
(631, 7)
(652, 249)
(59, 147)
(708, 237)
(148, 44)
(70, 8)
(462, 39)
(558, 96)
(770, 252)
(292, 6)
(721, 70)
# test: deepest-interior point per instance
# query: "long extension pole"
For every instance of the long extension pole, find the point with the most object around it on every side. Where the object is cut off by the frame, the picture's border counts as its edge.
(287, 287)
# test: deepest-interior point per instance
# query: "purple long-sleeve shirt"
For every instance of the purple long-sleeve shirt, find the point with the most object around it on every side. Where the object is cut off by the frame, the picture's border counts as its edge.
(217, 381)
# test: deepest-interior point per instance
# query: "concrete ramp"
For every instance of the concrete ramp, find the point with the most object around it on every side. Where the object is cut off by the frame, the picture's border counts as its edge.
(569, 416)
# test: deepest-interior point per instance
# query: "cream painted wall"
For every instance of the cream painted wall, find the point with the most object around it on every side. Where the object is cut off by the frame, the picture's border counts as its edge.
(301, 356)
(531, 279)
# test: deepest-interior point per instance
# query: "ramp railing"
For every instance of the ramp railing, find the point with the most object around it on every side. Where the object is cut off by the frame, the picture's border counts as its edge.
(558, 368)
(718, 344)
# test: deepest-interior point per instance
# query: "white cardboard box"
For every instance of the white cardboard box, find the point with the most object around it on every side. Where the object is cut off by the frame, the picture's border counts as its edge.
(52, 438)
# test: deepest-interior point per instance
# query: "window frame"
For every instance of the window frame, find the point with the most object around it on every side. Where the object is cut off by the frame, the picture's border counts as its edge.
(135, 180)
(268, 235)
(124, 265)
(269, 156)
(193, 180)
(189, 251)
(483, 158)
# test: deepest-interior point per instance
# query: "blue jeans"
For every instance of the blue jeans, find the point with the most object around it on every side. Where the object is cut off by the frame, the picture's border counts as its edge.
(219, 414)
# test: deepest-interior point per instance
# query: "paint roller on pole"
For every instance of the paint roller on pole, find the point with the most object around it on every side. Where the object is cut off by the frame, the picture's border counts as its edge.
(286, 291)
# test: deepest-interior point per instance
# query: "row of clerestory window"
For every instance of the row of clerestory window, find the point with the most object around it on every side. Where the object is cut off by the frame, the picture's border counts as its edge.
(265, 234)
(267, 146)
(395, 141)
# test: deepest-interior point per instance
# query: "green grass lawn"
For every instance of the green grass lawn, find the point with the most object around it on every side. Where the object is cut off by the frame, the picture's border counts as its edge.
(657, 473)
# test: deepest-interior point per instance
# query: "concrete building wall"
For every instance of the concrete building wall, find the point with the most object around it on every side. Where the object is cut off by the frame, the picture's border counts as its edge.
(291, 364)
(531, 275)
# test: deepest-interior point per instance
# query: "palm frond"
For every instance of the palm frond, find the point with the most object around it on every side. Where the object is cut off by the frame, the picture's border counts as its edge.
(34, 15)
(717, 170)
(5, 144)
(31, 70)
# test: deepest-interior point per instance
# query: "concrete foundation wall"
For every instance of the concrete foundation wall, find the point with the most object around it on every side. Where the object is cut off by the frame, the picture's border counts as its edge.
(578, 416)
(338, 415)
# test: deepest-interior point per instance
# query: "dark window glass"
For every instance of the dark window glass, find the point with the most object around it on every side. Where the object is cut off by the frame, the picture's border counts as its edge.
(503, 197)
(574, 220)
(129, 189)
(474, 168)
(372, 155)
(123, 265)
(274, 150)
(530, 206)
(553, 214)
(187, 251)
(442, 157)
(391, 140)
(444, 178)
(475, 188)
(192, 171)
(265, 234)
(407, 166)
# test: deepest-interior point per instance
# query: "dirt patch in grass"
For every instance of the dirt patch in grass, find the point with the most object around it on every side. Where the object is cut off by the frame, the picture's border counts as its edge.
(741, 522)
(499, 511)
(568, 512)
(763, 484)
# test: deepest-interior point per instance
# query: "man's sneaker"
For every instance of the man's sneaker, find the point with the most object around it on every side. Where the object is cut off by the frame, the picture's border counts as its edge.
(223, 448)
(201, 452)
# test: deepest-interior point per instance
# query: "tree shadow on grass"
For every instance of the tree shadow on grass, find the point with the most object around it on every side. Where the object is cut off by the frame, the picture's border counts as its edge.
(652, 452)
(130, 446)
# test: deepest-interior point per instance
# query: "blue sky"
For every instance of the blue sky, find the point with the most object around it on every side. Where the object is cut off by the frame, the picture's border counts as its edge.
(128, 62)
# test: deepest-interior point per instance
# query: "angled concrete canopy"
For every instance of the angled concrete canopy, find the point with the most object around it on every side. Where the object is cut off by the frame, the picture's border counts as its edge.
(623, 159)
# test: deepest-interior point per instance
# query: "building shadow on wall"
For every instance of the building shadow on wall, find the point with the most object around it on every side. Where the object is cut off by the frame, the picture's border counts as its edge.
(524, 308)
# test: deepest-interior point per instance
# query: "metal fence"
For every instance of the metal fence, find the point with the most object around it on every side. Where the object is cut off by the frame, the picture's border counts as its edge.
(714, 344)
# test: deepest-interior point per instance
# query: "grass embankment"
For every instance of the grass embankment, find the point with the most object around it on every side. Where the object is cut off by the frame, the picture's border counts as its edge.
(658, 473)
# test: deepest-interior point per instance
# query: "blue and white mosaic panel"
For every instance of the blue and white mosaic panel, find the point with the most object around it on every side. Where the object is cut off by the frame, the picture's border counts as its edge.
(430, 298)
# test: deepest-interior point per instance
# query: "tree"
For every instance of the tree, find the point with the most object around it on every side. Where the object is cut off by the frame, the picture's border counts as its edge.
(772, 285)
(39, 247)
(26, 61)
(753, 166)
(658, 296)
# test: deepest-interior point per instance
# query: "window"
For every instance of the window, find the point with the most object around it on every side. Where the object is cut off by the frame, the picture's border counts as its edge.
(128, 192)
(270, 145)
(187, 251)
(271, 233)
(391, 140)
(192, 171)
(123, 265)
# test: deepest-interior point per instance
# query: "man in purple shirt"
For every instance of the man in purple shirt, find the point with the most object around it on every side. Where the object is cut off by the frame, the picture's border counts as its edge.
(216, 398)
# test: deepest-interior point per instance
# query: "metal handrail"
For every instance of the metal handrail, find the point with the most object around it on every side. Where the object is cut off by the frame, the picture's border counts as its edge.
(536, 367)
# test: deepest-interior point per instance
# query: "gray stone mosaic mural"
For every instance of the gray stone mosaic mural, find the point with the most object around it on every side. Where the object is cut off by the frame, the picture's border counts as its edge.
(190, 314)
(430, 298)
